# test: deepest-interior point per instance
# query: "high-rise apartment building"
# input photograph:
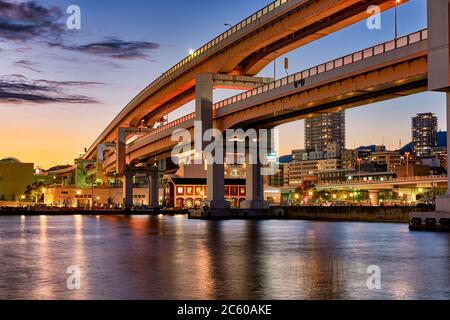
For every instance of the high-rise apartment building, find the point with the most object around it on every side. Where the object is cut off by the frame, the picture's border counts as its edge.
(324, 130)
(424, 134)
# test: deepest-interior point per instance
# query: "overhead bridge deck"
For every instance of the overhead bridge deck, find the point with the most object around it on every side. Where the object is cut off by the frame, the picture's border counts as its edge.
(381, 72)
(245, 49)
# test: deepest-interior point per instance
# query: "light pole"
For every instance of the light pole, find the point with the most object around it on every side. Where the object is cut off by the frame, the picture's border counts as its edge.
(397, 2)
(274, 69)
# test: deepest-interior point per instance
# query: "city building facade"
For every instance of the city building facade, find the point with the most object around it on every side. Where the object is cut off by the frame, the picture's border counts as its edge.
(424, 130)
(324, 130)
(15, 176)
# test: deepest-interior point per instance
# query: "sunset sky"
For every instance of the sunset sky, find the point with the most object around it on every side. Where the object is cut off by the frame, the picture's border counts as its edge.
(60, 88)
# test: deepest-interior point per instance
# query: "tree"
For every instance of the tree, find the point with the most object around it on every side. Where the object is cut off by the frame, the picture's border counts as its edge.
(81, 174)
(34, 191)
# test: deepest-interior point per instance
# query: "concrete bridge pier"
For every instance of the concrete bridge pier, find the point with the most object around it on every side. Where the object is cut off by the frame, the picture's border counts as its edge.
(439, 68)
(204, 87)
(254, 179)
(127, 181)
(443, 202)
(153, 183)
(216, 188)
(254, 188)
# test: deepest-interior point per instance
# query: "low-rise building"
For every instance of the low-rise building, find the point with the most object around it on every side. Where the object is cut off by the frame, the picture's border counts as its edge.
(412, 170)
(191, 192)
(15, 176)
(441, 154)
(97, 196)
(335, 176)
(370, 176)
(300, 170)
(390, 159)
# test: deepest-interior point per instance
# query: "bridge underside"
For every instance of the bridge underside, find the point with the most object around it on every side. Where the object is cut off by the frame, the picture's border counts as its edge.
(246, 52)
(381, 84)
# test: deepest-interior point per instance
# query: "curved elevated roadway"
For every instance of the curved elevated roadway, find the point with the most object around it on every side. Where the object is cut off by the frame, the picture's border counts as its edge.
(243, 50)
(385, 71)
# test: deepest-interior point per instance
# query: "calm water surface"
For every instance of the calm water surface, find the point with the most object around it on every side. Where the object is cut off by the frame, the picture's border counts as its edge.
(176, 258)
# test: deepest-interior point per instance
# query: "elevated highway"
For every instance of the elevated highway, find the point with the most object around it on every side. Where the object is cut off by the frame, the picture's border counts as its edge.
(425, 182)
(408, 187)
(388, 70)
(243, 50)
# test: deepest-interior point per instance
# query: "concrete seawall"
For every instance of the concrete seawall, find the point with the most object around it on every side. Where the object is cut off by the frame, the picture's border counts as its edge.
(356, 213)
(365, 214)
(66, 212)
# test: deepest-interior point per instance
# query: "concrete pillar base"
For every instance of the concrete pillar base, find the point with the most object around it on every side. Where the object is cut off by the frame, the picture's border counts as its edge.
(254, 204)
(443, 204)
(218, 204)
(429, 221)
(127, 180)
(153, 190)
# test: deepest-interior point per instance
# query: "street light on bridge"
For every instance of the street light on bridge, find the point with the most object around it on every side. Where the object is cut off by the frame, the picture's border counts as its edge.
(397, 2)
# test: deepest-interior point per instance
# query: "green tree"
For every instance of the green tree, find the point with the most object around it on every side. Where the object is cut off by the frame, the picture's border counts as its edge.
(35, 191)
(81, 174)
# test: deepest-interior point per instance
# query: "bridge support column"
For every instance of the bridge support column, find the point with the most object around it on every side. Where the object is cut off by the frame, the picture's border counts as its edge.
(153, 189)
(439, 67)
(204, 85)
(374, 196)
(254, 179)
(443, 203)
(216, 188)
(254, 188)
(121, 148)
(127, 181)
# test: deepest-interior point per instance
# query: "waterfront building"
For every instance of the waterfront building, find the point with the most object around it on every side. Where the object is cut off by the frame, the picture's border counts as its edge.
(15, 176)
(191, 192)
(103, 197)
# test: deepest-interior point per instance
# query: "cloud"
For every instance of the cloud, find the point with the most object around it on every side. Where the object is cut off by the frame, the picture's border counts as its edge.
(19, 89)
(22, 21)
(114, 48)
(26, 64)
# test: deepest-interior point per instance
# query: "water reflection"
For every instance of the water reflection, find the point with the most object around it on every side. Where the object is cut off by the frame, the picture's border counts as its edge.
(144, 257)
